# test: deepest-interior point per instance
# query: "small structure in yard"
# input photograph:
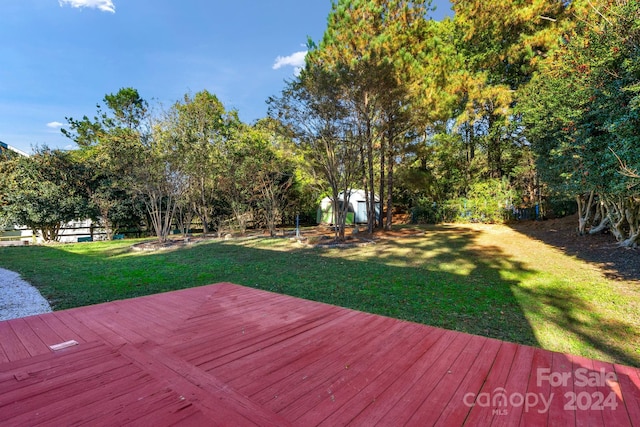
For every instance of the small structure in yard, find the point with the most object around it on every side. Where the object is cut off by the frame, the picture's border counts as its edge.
(74, 231)
(356, 211)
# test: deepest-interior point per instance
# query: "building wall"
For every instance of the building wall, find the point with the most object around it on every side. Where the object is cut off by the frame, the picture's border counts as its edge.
(357, 212)
(68, 234)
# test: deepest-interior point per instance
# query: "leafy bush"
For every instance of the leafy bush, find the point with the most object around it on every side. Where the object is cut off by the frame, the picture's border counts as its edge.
(488, 201)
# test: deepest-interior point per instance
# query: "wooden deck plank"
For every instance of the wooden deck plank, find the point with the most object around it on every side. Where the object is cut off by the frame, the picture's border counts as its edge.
(152, 399)
(31, 341)
(558, 415)
(629, 381)
(86, 406)
(613, 412)
(285, 348)
(455, 413)
(236, 340)
(164, 409)
(359, 372)
(206, 390)
(537, 411)
(335, 377)
(25, 372)
(205, 309)
(308, 380)
(218, 323)
(369, 377)
(13, 347)
(100, 322)
(60, 328)
(79, 331)
(46, 334)
(510, 410)
(496, 379)
(585, 416)
(241, 302)
(3, 356)
(437, 401)
(147, 324)
(296, 368)
(70, 388)
(298, 362)
(366, 388)
(401, 400)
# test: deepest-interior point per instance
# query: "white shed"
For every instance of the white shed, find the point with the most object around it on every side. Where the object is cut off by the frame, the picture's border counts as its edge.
(356, 212)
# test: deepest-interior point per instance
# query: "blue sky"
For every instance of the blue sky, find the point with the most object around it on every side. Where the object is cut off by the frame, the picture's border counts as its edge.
(60, 57)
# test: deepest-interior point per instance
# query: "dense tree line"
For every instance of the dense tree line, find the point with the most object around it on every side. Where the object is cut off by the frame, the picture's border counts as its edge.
(582, 115)
(509, 104)
(132, 168)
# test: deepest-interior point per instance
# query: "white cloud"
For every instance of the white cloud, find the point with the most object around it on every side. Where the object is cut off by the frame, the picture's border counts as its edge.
(295, 60)
(55, 125)
(103, 5)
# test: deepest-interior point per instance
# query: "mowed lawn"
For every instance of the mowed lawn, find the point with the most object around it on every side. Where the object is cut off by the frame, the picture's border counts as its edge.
(480, 279)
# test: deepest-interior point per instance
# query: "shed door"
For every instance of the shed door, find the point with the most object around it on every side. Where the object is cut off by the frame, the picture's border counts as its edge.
(362, 212)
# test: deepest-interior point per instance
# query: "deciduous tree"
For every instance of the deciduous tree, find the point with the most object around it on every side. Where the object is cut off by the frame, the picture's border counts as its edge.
(44, 191)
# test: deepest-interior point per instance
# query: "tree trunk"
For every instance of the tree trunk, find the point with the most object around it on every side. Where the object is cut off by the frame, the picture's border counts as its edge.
(386, 220)
(371, 210)
(603, 225)
(390, 165)
(382, 178)
(615, 213)
(203, 209)
(335, 212)
(584, 212)
(632, 216)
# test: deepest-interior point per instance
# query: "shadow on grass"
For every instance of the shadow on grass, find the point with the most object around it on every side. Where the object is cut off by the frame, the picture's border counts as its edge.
(435, 280)
(600, 249)
(443, 279)
(569, 312)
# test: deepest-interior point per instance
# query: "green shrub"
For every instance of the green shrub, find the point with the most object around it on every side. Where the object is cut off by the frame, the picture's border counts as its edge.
(489, 201)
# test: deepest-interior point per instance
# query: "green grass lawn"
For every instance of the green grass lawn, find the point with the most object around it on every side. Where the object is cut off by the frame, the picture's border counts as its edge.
(485, 280)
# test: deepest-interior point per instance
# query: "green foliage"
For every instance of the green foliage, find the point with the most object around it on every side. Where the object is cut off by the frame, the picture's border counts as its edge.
(377, 52)
(206, 133)
(499, 45)
(45, 191)
(580, 109)
(110, 147)
(582, 116)
(7, 168)
(488, 201)
(507, 39)
(462, 113)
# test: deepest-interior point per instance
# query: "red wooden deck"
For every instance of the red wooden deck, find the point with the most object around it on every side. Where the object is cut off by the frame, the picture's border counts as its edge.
(229, 355)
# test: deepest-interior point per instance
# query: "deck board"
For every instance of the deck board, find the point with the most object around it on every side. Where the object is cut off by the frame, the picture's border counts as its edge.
(13, 348)
(433, 368)
(31, 341)
(229, 355)
(438, 399)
